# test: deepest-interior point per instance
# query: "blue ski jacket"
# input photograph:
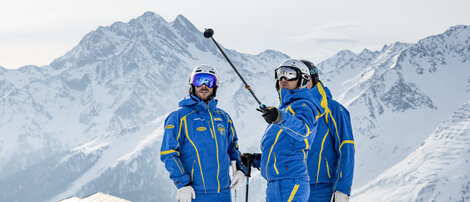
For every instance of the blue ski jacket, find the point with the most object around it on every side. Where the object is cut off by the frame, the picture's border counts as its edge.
(198, 145)
(284, 146)
(331, 159)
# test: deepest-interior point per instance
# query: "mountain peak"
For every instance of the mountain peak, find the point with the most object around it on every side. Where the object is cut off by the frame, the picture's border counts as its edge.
(272, 53)
(182, 23)
(457, 28)
(365, 50)
(182, 18)
(395, 47)
(148, 18)
(365, 53)
(151, 15)
(436, 50)
(455, 33)
(346, 52)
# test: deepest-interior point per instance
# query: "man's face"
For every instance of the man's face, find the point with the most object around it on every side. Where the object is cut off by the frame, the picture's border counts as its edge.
(290, 85)
(310, 83)
(204, 92)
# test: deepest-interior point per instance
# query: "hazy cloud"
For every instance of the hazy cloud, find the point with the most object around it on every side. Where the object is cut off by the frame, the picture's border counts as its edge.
(333, 40)
(332, 33)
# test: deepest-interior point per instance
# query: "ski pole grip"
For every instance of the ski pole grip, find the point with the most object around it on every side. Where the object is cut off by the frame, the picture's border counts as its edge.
(248, 169)
(261, 108)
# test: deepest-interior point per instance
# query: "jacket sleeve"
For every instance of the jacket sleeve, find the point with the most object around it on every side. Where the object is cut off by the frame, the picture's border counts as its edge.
(232, 150)
(298, 120)
(344, 146)
(170, 150)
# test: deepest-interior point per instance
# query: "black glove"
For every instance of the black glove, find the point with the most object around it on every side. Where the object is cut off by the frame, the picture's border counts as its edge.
(250, 158)
(272, 115)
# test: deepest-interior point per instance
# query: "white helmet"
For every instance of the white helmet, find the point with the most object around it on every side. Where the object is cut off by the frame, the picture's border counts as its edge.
(301, 68)
(204, 68)
(207, 69)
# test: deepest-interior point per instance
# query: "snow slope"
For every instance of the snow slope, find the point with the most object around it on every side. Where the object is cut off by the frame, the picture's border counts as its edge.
(87, 116)
(437, 171)
(394, 89)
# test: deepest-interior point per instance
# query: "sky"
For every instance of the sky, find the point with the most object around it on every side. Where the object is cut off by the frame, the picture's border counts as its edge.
(37, 32)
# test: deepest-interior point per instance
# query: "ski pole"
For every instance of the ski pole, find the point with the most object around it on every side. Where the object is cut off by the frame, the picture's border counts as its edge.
(248, 175)
(208, 33)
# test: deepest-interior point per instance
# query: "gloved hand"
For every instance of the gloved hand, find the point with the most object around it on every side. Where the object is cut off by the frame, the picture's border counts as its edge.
(245, 157)
(184, 194)
(339, 197)
(237, 179)
(272, 115)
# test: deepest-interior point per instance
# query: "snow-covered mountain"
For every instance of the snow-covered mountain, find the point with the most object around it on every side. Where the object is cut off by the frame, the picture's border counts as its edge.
(397, 96)
(93, 116)
(437, 171)
(92, 120)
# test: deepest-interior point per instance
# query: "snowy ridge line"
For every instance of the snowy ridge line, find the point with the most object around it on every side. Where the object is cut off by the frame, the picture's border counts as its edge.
(436, 171)
(114, 150)
(105, 91)
(387, 95)
(6, 95)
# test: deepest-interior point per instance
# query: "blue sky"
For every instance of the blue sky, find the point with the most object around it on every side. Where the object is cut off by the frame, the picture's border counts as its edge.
(37, 32)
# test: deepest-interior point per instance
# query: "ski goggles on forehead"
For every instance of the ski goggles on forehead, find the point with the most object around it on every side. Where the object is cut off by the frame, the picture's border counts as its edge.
(286, 72)
(203, 78)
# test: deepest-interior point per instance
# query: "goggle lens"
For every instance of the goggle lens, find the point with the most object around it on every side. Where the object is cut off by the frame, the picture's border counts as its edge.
(286, 72)
(203, 78)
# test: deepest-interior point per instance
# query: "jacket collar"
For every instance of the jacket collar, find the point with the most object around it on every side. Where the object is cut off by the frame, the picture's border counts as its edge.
(198, 104)
(328, 93)
(322, 95)
(288, 96)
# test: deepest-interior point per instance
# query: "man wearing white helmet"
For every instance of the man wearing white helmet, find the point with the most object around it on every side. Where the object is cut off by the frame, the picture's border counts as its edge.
(199, 143)
(287, 139)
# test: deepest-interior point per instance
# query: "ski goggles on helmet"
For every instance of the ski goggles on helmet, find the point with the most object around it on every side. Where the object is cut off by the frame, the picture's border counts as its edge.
(203, 78)
(287, 72)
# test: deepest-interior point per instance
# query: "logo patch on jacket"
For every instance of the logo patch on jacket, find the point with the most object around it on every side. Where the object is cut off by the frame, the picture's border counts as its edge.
(169, 126)
(221, 129)
(201, 128)
(217, 119)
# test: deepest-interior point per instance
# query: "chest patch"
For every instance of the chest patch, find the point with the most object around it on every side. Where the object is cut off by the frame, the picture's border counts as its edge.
(201, 129)
(221, 129)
